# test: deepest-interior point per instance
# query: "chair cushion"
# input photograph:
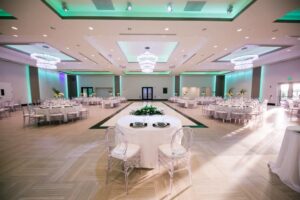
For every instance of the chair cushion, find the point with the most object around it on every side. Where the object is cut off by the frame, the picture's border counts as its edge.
(132, 150)
(178, 151)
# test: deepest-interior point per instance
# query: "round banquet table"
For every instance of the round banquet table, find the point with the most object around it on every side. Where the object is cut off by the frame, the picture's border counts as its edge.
(287, 165)
(149, 138)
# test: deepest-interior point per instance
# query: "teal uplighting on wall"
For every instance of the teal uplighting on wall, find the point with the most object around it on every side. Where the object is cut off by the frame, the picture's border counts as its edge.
(180, 85)
(173, 85)
(66, 86)
(261, 84)
(114, 86)
(231, 79)
(78, 85)
(214, 84)
(121, 86)
(29, 98)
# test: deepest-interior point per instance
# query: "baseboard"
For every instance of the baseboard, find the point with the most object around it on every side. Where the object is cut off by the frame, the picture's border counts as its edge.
(271, 104)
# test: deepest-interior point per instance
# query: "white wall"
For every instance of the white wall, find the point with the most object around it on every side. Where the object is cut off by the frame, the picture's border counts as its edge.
(15, 75)
(277, 73)
(198, 81)
(239, 80)
(49, 79)
(132, 86)
(96, 81)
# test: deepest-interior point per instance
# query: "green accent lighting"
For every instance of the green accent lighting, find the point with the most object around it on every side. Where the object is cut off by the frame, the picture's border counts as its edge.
(29, 98)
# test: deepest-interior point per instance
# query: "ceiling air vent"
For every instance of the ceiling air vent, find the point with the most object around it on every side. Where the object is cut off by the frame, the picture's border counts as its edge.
(103, 4)
(194, 6)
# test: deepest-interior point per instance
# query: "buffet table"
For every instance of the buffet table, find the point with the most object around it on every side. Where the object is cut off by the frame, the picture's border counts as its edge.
(149, 137)
(287, 165)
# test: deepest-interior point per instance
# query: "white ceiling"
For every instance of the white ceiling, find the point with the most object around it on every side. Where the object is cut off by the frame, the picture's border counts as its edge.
(199, 42)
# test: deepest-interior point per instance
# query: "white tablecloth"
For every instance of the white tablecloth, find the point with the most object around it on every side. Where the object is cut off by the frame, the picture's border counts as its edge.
(287, 165)
(149, 138)
(63, 110)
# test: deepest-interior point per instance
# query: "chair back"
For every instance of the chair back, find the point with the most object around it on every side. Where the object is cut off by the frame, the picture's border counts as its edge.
(114, 137)
(182, 137)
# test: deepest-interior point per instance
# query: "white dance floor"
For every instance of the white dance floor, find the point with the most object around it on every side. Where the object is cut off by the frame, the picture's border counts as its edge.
(136, 105)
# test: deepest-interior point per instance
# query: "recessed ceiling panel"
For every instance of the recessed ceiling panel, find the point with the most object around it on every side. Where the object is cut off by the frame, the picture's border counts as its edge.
(259, 50)
(223, 10)
(41, 48)
(291, 16)
(132, 49)
(5, 15)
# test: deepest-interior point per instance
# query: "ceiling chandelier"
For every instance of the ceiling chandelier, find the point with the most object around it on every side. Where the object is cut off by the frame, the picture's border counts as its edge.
(244, 62)
(45, 61)
(147, 61)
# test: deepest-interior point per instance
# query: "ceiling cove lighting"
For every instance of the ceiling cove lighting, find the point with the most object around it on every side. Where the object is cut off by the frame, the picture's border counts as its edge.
(129, 6)
(45, 61)
(244, 62)
(204, 72)
(147, 61)
(169, 7)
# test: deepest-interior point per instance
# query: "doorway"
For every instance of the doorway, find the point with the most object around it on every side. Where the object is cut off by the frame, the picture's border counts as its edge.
(147, 93)
(87, 91)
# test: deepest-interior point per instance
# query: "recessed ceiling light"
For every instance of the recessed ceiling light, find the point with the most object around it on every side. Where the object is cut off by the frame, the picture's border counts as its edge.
(15, 28)
(15, 35)
(215, 46)
(111, 50)
(85, 58)
(166, 29)
(225, 49)
(246, 37)
(67, 47)
(273, 38)
(288, 50)
(91, 28)
(182, 50)
(45, 35)
(239, 30)
(93, 55)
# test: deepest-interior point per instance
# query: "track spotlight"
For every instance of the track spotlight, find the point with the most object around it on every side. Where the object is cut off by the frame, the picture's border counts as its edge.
(64, 6)
(129, 6)
(169, 8)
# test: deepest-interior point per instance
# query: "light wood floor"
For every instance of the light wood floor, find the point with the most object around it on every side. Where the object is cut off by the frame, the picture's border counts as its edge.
(68, 162)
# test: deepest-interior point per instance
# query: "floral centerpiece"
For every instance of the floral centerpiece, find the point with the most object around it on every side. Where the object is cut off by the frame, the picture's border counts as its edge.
(57, 93)
(147, 110)
(230, 92)
(242, 92)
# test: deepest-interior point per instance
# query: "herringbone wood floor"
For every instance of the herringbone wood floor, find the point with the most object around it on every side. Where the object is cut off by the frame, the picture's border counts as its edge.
(68, 162)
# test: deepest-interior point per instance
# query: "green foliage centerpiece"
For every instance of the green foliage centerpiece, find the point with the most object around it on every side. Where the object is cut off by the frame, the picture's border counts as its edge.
(147, 110)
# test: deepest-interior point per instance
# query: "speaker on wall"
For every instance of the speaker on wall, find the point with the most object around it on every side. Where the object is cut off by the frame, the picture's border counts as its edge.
(165, 90)
(2, 92)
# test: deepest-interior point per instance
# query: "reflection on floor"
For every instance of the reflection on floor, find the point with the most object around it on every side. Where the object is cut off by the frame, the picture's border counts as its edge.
(68, 161)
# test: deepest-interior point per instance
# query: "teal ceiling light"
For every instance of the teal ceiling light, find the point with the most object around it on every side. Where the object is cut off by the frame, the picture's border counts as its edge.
(204, 73)
(221, 10)
(143, 73)
(6, 15)
(291, 16)
(88, 72)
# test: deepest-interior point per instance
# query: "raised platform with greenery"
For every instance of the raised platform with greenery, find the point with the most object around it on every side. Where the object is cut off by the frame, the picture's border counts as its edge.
(147, 110)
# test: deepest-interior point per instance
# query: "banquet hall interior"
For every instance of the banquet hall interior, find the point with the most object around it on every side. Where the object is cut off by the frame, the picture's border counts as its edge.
(160, 99)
